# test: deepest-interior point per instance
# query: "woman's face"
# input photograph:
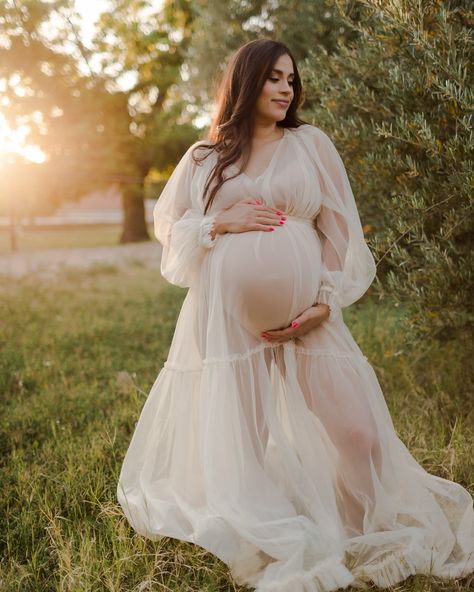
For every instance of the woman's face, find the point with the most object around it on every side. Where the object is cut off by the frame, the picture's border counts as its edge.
(279, 86)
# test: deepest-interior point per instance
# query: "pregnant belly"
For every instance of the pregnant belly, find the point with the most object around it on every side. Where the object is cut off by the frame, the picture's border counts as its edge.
(268, 278)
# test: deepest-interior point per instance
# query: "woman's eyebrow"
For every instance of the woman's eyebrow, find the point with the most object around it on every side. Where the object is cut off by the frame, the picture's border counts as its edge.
(280, 72)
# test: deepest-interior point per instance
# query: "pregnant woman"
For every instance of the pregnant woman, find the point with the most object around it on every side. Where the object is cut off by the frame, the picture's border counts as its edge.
(266, 438)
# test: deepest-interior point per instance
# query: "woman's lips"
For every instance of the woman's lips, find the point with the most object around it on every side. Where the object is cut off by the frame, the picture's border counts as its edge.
(283, 104)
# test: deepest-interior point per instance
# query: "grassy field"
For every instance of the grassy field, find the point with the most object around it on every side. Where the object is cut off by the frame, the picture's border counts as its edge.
(78, 359)
(64, 237)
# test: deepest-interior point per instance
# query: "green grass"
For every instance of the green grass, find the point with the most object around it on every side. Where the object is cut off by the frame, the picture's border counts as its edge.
(78, 358)
(63, 237)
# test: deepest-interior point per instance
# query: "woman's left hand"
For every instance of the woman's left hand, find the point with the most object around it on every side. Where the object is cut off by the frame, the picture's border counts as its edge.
(307, 320)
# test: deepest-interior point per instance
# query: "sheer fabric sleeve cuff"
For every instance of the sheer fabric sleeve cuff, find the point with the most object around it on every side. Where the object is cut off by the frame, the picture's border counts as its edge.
(206, 226)
(328, 295)
(185, 245)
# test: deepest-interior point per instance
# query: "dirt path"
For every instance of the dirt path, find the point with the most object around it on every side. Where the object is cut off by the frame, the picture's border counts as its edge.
(51, 261)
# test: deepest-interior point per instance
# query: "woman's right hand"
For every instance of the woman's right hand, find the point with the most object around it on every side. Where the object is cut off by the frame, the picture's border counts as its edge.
(248, 214)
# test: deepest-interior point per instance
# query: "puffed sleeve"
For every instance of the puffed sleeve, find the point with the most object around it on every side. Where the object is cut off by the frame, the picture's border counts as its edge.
(180, 225)
(348, 266)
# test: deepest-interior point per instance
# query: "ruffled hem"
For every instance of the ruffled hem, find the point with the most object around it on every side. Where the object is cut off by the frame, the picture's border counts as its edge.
(330, 574)
(400, 565)
(394, 568)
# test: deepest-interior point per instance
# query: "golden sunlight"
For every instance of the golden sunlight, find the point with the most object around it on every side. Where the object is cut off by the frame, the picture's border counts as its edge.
(12, 142)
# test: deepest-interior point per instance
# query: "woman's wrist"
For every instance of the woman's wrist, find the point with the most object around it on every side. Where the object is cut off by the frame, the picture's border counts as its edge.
(325, 307)
(219, 228)
(207, 233)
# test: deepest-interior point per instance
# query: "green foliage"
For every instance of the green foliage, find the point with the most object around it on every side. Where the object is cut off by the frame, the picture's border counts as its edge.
(219, 28)
(147, 45)
(397, 101)
(76, 364)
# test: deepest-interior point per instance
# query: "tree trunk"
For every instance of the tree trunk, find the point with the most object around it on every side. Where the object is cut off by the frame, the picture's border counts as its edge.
(134, 223)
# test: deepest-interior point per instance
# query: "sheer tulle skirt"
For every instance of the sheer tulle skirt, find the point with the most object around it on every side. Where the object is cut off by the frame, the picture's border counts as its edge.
(283, 461)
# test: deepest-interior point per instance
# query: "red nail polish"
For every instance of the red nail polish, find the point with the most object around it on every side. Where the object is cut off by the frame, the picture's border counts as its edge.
(281, 222)
(283, 217)
(294, 324)
(271, 228)
(278, 213)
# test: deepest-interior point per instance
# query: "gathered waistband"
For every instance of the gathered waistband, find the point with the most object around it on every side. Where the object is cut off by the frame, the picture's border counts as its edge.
(308, 221)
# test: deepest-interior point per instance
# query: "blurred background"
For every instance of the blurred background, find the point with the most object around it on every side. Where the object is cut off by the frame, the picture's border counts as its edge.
(98, 101)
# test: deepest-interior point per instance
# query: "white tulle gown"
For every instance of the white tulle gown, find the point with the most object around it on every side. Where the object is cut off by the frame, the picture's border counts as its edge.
(281, 459)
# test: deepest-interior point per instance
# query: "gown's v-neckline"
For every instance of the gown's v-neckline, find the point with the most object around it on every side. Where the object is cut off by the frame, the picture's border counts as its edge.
(267, 168)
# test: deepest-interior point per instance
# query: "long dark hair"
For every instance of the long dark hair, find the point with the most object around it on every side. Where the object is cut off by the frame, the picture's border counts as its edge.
(232, 127)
